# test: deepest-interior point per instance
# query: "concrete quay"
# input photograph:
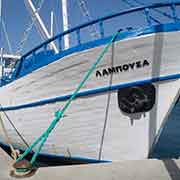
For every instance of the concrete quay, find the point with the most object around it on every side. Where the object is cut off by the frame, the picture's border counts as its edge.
(126, 170)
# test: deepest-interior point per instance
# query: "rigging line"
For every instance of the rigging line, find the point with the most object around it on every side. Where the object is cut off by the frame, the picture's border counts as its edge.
(132, 5)
(34, 17)
(56, 11)
(157, 10)
(29, 28)
(108, 104)
(12, 124)
(6, 36)
(128, 3)
(8, 140)
(84, 10)
(56, 24)
(56, 29)
(41, 33)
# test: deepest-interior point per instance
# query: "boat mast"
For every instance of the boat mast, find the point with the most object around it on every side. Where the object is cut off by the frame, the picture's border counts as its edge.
(65, 23)
(41, 24)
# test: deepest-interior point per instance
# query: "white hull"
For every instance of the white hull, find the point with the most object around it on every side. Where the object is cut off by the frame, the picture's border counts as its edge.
(79, 133)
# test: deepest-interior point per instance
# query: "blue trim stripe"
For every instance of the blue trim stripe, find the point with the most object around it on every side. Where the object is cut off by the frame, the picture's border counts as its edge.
(90, 92)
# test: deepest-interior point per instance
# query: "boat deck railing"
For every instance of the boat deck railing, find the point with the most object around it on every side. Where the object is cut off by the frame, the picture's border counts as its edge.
(104, 26)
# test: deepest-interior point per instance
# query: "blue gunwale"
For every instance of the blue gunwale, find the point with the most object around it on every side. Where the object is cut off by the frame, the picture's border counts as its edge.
(100, 21)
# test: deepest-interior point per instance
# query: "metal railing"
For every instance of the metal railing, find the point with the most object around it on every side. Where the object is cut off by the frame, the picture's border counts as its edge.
(146, 10)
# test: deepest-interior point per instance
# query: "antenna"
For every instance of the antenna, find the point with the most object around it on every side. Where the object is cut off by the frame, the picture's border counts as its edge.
(65, 23)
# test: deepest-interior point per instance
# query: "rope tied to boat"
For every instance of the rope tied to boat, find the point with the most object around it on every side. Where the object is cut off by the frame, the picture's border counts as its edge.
(59, 114)
(14, 152)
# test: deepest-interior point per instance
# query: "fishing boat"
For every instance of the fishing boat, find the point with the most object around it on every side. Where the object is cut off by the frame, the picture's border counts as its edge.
(110, 97)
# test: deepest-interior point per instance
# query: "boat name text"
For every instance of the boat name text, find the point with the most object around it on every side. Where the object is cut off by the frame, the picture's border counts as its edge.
(122, 68)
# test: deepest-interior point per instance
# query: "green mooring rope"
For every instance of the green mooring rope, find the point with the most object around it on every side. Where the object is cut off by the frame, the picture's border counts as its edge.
(42, 139)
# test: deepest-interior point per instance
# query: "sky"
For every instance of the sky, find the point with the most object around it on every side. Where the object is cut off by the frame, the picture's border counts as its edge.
(17, 18)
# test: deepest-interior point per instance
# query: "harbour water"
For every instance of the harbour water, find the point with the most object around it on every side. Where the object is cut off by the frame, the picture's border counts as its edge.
(168, 145)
